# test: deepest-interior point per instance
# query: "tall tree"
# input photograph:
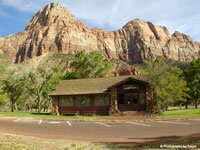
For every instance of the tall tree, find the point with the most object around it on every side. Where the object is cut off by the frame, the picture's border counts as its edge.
(88, 65)
(192, 75)
(28, 86)
(12, 82)
(41, 81)
(13, 87)
(4, 63)
(3, 99)
(170, 88)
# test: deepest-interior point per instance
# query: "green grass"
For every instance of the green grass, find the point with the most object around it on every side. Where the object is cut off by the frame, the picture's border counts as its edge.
(170, 113)
(182, 113)
(20, 142)
(49, 116)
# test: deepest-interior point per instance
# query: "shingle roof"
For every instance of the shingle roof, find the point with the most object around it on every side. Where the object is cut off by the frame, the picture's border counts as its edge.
(89, 86)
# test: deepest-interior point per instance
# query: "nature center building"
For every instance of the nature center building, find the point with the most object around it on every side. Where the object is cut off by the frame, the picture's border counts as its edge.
(102, 96)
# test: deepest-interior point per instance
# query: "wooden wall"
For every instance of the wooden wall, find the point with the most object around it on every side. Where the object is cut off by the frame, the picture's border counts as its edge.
(87, 109)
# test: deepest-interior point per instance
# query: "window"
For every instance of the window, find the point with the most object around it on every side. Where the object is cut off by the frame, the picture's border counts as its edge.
(66, 101)
(107, 100)
(101, 100)
(82, 101)
(142, 98)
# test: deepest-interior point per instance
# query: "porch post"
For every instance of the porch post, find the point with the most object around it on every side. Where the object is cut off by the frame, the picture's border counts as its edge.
(114, 104)
(55, 110)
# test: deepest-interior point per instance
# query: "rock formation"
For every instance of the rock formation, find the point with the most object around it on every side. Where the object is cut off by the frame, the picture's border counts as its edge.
(55, 29)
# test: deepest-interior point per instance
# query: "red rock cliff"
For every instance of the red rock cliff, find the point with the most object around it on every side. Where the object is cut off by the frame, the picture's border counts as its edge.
(55, 29)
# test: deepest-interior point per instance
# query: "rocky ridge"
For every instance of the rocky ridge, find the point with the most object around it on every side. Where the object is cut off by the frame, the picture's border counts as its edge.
(55, 29)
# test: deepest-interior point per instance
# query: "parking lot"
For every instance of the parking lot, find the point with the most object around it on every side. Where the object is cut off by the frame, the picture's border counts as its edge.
(125, 131)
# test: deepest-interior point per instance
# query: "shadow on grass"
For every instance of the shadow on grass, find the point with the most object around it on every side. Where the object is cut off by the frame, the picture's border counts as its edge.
(145, 143)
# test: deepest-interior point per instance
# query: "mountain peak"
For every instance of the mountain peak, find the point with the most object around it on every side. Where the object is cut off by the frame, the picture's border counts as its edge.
(55, 29)
(54, 4)
(50, 14)
(55, 8)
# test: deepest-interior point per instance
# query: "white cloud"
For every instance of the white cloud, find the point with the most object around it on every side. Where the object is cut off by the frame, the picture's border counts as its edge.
(23, 5)
(182, 15)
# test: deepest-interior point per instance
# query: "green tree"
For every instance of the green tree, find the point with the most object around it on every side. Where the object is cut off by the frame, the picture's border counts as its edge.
(192, 75)
(170, 88)
(13, 83)
(88, 65)
(28, 86)
(40, 82)
(3, 99)
(4, 63)
(13, 87)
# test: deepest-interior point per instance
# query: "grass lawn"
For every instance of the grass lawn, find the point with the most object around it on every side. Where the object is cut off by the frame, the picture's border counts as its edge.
(49, 116)
(170, 113)
(182, 113)
(19, 142)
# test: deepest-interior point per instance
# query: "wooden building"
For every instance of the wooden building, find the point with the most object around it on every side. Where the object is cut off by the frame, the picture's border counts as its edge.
(103, 96)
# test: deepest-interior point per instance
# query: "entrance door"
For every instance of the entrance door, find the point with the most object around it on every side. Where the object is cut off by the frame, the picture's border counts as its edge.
(128, 101)
(131, 98)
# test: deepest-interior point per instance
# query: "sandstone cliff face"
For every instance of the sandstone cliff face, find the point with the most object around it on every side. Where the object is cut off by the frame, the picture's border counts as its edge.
(1, 41)
(55, 29)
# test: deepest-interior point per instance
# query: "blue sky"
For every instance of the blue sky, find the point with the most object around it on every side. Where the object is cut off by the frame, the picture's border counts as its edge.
(176, 15)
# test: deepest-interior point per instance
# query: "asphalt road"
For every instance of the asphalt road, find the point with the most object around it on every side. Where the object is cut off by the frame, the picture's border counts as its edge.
(102, 131)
